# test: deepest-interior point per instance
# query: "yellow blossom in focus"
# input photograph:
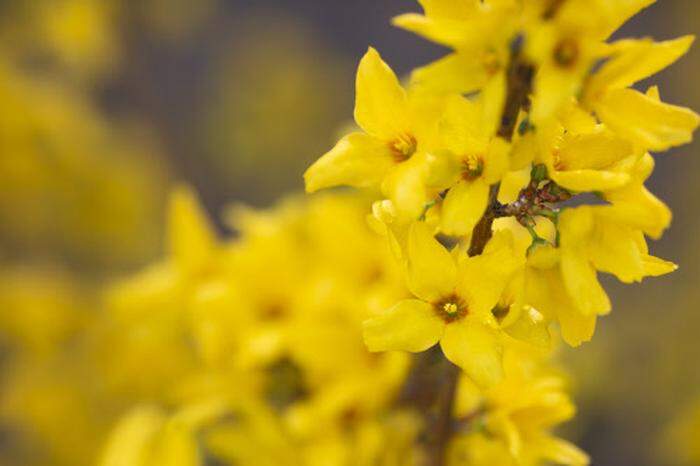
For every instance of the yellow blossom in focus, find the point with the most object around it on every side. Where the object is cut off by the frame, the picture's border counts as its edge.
(455, 296)
(399, 130)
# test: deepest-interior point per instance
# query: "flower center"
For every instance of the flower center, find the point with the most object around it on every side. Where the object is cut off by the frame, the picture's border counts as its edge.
(451, 308)
(472, 167)
(403, 147)
(566, 52)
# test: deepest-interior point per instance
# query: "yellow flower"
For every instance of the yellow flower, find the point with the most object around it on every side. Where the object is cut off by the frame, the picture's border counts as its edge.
(474, 159)
(595, 235)
(455, 297)
(398, 130)
(566, 43)
(562, 282)
(478, 32)
(520, 411)
(585, 156)
(636, 206)
(641, 118)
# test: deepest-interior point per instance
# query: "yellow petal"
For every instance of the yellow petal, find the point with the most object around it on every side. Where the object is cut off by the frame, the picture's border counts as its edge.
(190, 235)
(463, 206)
(554, 89)
(600, 16)
(647, 122)
(637, 59)
(178, 446)
(455, 73)
(655, 267)
(597, 150)
(560, 451)
(531, 327)
(446, 31)
(576, 328)
(380, 103)
(576, 226)
(542, 293)
(411, 325)
(443, 169)
(476, 349)
(461, 127)
(590, 180)
(482, 279)
(496, 161)
(637, 207)
(131, 441)
(449, 8)
(405, 186)
(614, 250)
(357, 160)
(582, 284)
(432, 273)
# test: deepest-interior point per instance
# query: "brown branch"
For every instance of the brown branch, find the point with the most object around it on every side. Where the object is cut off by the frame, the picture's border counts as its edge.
(430, 389)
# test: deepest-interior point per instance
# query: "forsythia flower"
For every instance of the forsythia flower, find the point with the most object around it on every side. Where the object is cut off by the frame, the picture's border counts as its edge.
(475, 158)
(517, 413)
(399, 130)
(455, 297)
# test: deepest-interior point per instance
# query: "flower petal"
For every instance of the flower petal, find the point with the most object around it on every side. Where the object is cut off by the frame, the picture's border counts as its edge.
(645, 120)
(559, 451)
(614, 250)
(476, 349)
(497, 161)
(191, 237)
(482, 279)
(590, 180)
(637, 59)
(411, 325)
(531, 327)
(463, 206)
(461, 126)
(357, 160)
(597, 150)
(406, 186)
(582, 284)
(576, 328)
(637, 207)
(380, 103)
(432, 272)
(455, 73)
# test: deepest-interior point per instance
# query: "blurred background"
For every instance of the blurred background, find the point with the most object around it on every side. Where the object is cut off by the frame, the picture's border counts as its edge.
(105, 103)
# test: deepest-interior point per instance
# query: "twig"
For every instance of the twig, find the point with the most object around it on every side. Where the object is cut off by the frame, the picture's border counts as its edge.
(430, 389)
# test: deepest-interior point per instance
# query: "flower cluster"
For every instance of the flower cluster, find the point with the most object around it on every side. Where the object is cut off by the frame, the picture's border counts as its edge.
(267, 361)
(495, 186)
(530, 129)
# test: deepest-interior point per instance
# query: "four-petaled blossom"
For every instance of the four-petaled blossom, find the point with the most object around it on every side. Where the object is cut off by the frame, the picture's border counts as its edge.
(454, 299)
(399, 127)
(474, 158)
